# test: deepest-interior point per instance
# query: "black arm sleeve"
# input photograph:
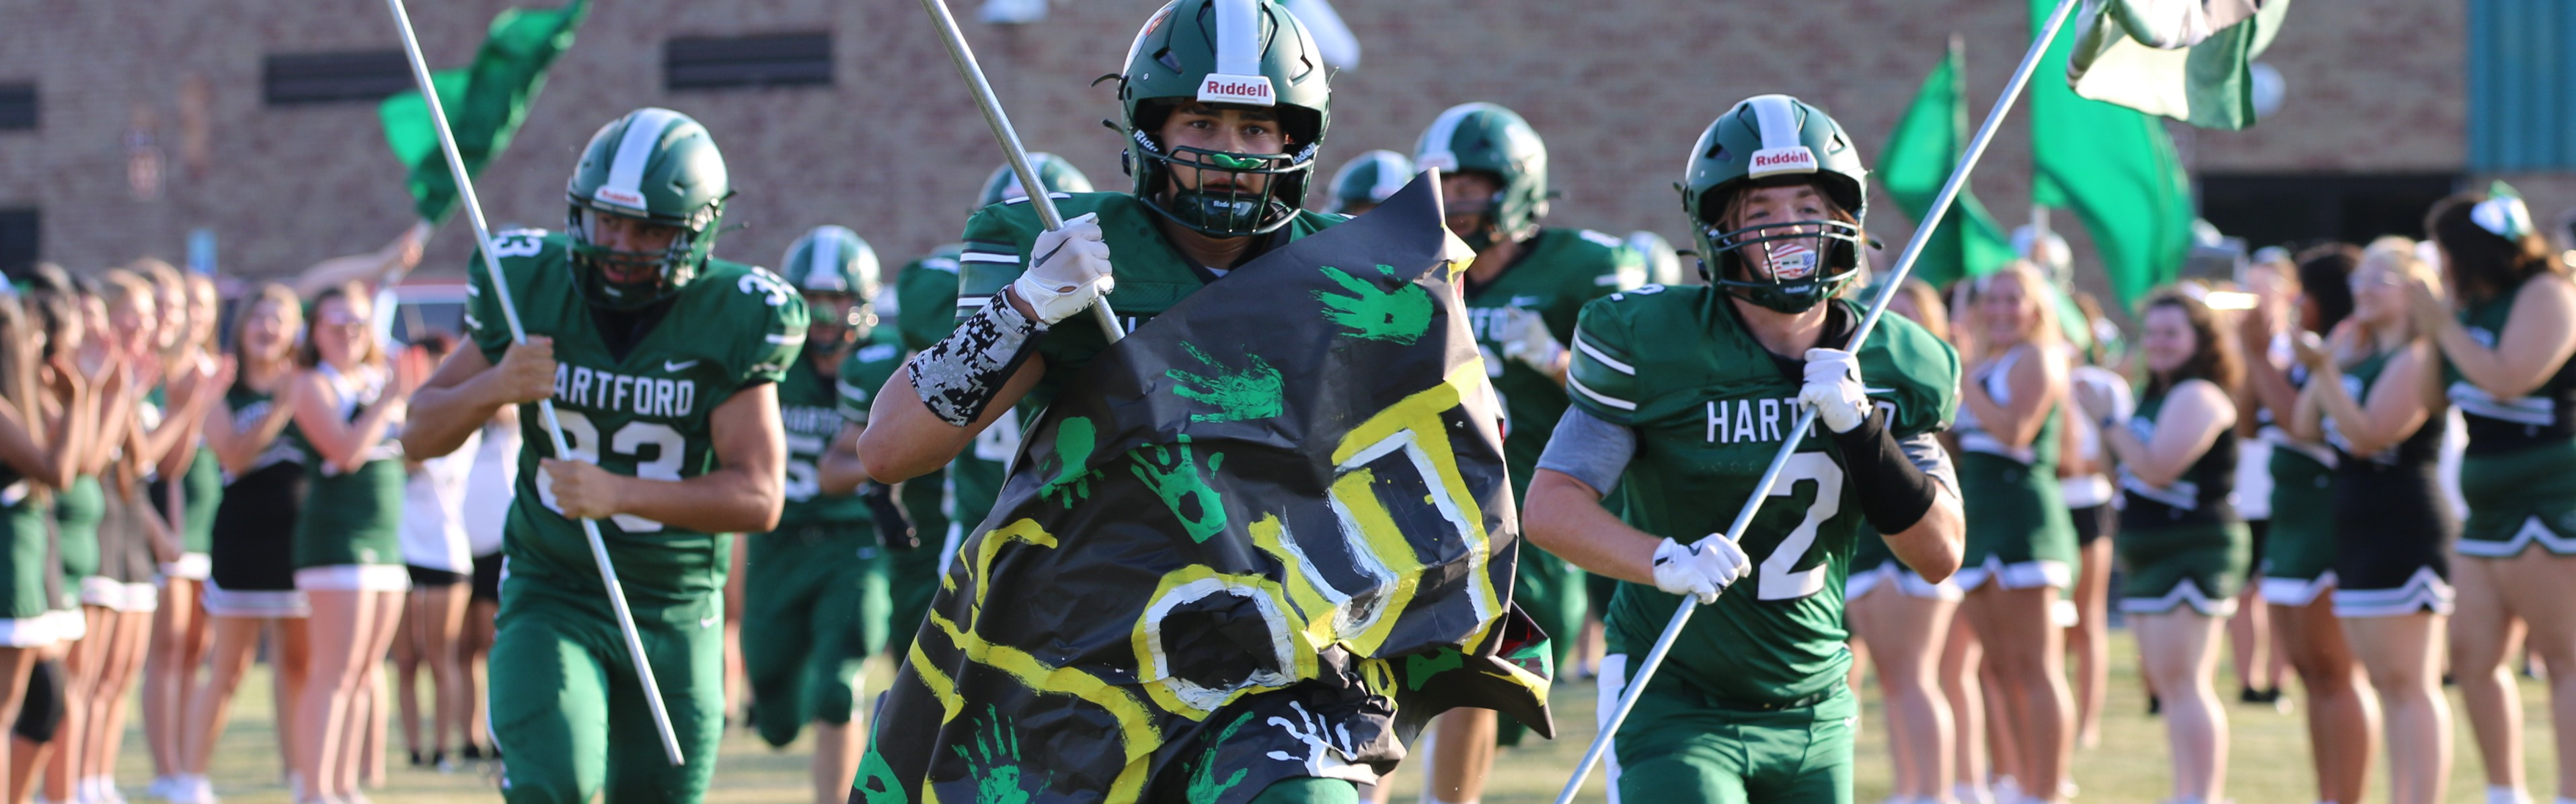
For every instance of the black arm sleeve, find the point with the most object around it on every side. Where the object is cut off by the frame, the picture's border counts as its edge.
(1894, 492)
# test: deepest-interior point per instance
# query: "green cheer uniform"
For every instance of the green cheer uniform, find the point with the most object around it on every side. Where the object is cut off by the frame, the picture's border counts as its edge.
(814, 593)
(2519, 473)
(2299, 555)
(350, 535)
(28, 585)
(1750, 704)
(2182, 543)
(2020, 534)
(203, 487)
(562, 683)
(2393, 527)
(1558, 270)
(77, 513)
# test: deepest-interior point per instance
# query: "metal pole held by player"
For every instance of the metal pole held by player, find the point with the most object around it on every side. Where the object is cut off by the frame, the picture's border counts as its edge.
(1010, 139)
(1807, 416)
(545, 407)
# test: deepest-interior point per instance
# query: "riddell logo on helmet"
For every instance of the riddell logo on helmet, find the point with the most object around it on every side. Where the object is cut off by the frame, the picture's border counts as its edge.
(624, 198)
(1793, 159)
(1247, 89)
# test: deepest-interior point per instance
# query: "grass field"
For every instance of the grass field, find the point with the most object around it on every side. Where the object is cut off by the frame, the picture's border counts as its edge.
(2269, 760)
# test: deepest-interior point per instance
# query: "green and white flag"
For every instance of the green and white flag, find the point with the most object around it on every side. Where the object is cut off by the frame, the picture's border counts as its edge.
(485, 101)
(2183, 59)
(1921, 152)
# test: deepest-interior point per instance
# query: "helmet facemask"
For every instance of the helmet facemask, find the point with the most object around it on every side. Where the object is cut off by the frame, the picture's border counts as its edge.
(836, 320)
(1788, 266)
(1206, 190)
(651, 276)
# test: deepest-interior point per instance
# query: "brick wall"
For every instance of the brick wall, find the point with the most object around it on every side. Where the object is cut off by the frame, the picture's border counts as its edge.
(894, 150)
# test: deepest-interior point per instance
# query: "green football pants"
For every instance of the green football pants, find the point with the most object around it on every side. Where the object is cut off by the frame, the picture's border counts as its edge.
(568, 710)
(814, 609)
(1678, 747)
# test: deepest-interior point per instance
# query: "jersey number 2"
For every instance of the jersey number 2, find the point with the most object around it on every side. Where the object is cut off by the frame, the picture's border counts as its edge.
(1781, 578)
(581, 443)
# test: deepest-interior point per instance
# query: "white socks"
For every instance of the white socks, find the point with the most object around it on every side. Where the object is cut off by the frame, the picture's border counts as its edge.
(2500, 794)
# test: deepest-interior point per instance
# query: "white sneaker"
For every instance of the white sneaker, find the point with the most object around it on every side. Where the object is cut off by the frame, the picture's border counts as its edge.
(194, 789)
(160, 788)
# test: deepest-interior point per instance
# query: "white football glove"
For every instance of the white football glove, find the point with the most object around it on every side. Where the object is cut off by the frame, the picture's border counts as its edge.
(1701, 569)
(1833, 387)
(1525, 338)
(1068, 270)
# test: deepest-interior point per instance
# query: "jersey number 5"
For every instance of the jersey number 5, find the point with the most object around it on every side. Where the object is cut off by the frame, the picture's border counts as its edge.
(1781, 578)
(804, 480)
(581, 443)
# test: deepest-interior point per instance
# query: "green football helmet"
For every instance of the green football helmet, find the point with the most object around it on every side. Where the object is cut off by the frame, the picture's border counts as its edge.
(660, 167)
(1368, 180)
(1058, 175)
(1770, 141)
(1228, 53)
(1489, 139)
(837, 274)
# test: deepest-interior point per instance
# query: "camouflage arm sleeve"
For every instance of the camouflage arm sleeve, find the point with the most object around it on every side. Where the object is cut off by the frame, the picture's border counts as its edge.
(959, 376)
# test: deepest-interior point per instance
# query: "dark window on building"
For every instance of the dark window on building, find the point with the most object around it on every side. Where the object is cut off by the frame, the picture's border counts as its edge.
(292, 78)
(766, 60)
(2522, 68)
(2299, 209)
(17, 107)
(19, 248)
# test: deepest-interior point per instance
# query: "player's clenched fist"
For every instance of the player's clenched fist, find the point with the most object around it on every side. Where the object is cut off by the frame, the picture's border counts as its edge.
(1068, 269)
(1701, 569)
(581, 490)
(527, 371)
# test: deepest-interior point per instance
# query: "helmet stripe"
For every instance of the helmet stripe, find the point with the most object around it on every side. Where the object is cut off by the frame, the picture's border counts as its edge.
(1238, 37)
(1777, 115)
(821, 273)
(1434, 151)
(626, 169)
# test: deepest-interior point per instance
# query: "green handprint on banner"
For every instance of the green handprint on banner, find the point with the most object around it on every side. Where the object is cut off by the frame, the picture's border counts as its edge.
(994, 761)
(1203, 783)
(876, 784)
(1175, 477)
(1068, 468)
(1398, 316)
(1253, 393)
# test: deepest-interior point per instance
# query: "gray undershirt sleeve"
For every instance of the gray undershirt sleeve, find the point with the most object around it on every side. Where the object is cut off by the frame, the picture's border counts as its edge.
(1592, 450)
(1926, 452)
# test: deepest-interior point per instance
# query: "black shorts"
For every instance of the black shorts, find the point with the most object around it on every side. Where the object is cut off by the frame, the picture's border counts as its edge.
(487, 577)
(2094, 522)
(424, 576)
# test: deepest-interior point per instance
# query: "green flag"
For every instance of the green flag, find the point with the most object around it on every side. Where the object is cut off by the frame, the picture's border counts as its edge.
(1920, 154)
(2116, 169)
(485, 101)
(2183, 59)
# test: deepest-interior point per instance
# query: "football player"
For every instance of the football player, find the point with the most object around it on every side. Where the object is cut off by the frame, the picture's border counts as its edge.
(663, 365)
(815, 590)
(1524, 290)
(1221, 170)
(1682, 396)
(946, 502)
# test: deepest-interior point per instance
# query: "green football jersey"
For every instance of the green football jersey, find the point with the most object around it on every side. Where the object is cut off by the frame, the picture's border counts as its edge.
(645, 414)
(1709, 407)
(1152, 275)
(1558, 271)
(863, 372)
(808, 403)
(925, 294)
